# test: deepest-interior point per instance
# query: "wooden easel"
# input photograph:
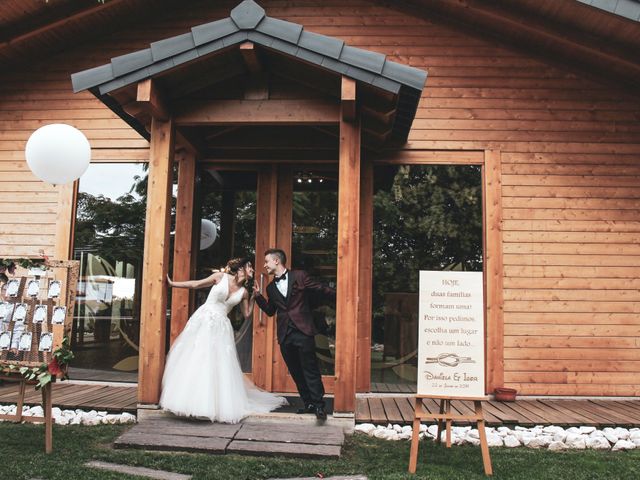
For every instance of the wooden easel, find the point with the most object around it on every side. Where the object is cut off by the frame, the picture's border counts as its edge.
(46, 406)
(445, 416)
(67, 272)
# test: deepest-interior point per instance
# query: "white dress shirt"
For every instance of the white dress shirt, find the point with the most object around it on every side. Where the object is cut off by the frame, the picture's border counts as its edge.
(283, 285)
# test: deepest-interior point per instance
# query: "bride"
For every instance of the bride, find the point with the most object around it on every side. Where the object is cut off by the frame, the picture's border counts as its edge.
(202, 376)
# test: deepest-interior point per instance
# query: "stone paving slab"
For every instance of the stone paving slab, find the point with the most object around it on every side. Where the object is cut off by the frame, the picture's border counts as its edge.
(250, 438)
(197, 428)
(184, 443)
(300, 450)
(287, 433)
(138, 471)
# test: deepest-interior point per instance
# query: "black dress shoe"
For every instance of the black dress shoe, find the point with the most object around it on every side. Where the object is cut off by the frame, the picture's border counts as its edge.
(308, 409)
(321, 414)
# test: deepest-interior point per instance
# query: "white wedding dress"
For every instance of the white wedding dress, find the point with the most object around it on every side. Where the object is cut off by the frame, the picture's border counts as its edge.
(202, 376)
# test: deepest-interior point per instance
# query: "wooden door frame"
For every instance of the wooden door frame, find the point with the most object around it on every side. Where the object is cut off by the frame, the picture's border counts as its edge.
(491, 171)
(274, 195)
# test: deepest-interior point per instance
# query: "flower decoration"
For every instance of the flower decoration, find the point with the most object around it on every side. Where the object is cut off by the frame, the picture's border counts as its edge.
(45, 373)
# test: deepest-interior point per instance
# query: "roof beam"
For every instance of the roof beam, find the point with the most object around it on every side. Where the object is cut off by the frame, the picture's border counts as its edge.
(348, 99)
(250, 57)
(538, 35)
(257, 112)
(151, 99)
(61, 22)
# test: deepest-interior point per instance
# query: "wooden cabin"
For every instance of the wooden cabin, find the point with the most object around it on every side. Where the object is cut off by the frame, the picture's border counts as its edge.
(537, 99)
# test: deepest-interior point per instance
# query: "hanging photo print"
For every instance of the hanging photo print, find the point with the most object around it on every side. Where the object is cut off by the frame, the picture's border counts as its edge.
(5, 340)
(12, 287)
(25, 342)
(46, 342)
(20, 312)
(33, 288)
(58, 315)
(40, 314)
(54, 289)
(7, 311)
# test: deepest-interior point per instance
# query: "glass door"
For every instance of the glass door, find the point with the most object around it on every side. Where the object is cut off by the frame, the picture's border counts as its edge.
(228, 201)
(314, 239)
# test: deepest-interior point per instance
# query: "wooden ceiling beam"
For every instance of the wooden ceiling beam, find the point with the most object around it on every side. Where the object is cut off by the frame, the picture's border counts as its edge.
(537, 34)
(257, 112)
(61, 22)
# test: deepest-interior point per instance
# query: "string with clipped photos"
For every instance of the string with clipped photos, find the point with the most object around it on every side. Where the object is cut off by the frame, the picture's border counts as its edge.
(35, 319)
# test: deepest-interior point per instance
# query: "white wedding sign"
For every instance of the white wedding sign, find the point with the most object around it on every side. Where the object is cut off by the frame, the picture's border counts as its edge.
(451, 336)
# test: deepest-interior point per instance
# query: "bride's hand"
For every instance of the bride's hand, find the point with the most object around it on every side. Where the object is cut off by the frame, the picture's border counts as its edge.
(169, 281)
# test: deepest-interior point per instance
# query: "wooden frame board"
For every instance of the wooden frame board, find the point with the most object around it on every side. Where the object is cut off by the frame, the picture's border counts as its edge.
(66, 272)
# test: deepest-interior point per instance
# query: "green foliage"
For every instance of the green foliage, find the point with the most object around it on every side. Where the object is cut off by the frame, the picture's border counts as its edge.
(425, 218)
(22, 456)
(45, 373)
(9, 265)
(113, 228)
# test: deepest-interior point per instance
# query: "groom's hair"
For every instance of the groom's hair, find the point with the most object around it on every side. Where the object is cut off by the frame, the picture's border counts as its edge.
(276, 252)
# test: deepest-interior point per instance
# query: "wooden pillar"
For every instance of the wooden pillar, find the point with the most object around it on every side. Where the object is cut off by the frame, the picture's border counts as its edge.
(65, 220)
(183, 264)
(365, 274)
(348, 251)
(494, 269)
(153, 313)
(263, 335)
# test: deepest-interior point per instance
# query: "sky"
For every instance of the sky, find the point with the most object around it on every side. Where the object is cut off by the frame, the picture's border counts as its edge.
(109, 179)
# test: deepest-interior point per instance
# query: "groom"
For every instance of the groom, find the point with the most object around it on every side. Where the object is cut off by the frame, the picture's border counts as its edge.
(289, 299)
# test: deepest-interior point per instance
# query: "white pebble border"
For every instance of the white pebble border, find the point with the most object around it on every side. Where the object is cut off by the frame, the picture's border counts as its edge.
(549, 437)
(72, 417)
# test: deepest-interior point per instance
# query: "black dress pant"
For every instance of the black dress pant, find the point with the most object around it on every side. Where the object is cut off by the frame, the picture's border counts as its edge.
(299, 353)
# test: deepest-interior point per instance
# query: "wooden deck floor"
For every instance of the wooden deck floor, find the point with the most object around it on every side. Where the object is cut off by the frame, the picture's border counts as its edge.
(84, 396)
(526, 413)
(379, 410)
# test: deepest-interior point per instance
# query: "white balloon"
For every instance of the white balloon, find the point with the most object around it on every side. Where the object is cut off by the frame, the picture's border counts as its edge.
(58, 153)
(208, 233)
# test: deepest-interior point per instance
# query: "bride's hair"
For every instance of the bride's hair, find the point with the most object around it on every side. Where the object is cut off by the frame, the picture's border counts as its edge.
(236, 264)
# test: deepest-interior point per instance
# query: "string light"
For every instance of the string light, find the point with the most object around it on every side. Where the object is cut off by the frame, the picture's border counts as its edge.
(308, 177)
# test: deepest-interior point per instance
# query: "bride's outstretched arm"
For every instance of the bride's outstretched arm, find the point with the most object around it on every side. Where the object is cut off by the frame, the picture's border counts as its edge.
(205, 282)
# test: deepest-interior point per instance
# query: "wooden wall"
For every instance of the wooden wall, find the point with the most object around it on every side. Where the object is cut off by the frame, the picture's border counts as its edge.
(569, 149)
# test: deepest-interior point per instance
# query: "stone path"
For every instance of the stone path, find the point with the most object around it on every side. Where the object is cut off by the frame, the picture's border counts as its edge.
(138, 471)
(299, 439)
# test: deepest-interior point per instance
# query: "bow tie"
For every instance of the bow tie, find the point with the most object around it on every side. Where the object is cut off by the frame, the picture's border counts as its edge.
(281, 277)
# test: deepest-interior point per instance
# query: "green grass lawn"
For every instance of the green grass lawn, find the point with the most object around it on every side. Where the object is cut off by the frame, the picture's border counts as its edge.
(22, 457)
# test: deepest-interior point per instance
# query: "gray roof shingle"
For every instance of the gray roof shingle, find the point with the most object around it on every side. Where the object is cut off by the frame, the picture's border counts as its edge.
(248, 21)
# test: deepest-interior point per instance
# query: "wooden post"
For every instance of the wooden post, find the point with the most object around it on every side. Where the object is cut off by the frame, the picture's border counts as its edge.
(363, 356)
(65, 220)
(153, 315)
(47, 405)
(263, 345)
(283, 216)
(494, 274)
(446, 416)
(183, 264)
(348, 254)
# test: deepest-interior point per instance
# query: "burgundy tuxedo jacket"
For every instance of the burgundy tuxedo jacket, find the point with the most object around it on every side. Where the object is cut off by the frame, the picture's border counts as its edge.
(295, 306)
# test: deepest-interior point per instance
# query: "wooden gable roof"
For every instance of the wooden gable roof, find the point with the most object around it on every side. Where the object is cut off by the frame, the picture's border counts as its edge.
(600, 38)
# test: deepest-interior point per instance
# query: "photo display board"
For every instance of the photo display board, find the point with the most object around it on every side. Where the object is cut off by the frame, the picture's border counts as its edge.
(36, 313)
(451, 356)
